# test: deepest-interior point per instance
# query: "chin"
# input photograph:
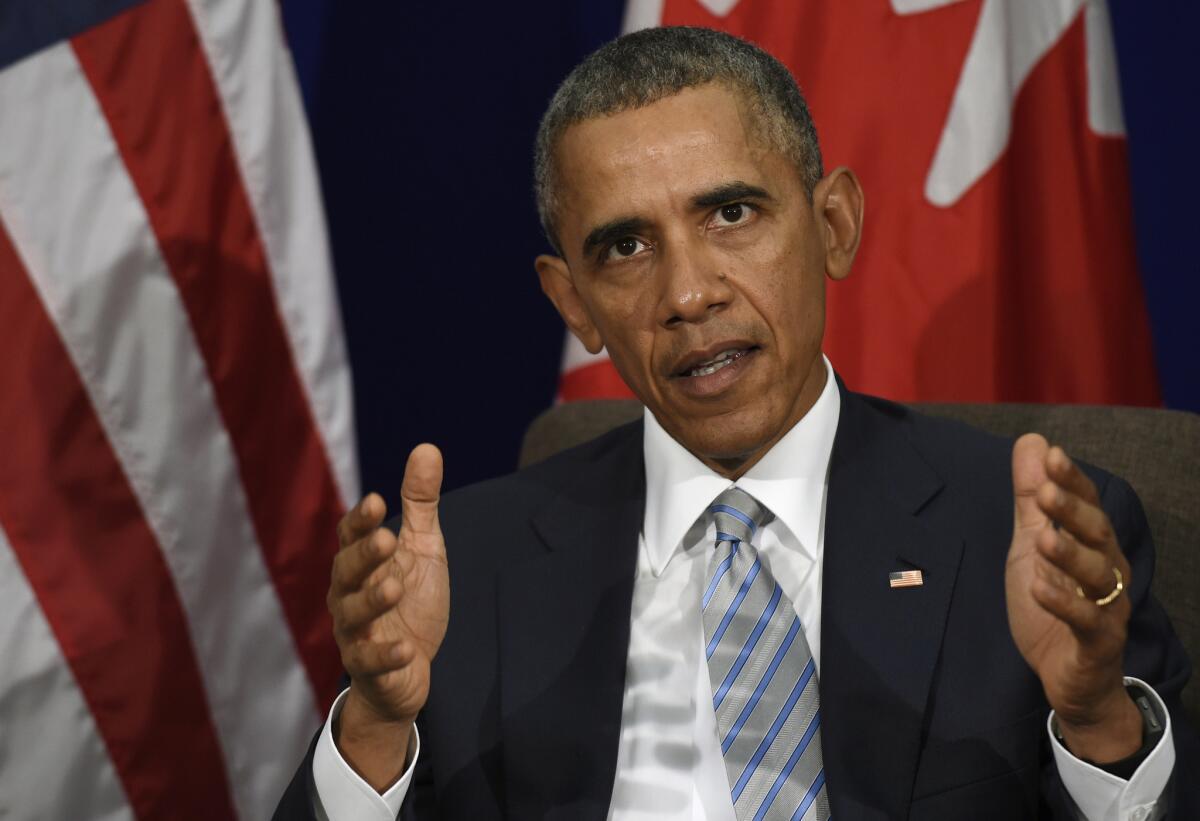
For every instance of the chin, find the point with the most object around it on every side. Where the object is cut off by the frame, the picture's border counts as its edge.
(727, 439)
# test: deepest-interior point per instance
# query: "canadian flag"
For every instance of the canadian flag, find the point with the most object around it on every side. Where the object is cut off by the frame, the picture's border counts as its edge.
(998, 257)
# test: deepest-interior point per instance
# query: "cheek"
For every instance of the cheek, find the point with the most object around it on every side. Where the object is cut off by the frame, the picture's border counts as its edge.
(626, 324)
(790, 299)
(633, 354)
(783, 289)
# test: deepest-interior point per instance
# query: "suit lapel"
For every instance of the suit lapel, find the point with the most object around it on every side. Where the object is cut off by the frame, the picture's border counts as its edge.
(880, 644)
(564, 639)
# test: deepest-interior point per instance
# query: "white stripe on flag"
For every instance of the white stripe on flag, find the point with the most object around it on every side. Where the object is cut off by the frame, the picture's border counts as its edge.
(1105, 114)
(253, 73)
(577, 356)
(85, 240)
(53, 763)
(641, 14)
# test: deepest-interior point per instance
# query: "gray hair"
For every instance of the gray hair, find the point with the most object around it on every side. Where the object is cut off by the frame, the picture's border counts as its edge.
(643, 67)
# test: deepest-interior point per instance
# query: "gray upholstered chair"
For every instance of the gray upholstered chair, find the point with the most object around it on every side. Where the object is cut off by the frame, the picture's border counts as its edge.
(1157, 451)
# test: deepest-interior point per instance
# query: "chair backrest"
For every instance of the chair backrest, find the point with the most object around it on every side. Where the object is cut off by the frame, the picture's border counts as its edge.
(1157, 451)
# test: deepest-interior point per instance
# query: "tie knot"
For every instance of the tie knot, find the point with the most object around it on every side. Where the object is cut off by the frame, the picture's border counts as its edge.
(737, 514)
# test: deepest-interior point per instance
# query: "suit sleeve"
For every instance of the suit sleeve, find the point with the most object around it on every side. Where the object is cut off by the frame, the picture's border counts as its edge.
(299, 800)
(296, 804)
(326, 787)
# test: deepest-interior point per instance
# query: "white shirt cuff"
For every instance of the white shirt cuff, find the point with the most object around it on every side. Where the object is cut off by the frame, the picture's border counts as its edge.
(341, 793)
(1102, 796)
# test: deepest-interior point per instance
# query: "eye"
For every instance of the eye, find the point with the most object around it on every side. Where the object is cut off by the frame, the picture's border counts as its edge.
(733, 214)
(624, 248)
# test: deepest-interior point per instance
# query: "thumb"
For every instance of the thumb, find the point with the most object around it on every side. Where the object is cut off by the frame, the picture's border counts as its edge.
(421, 489)
(1029, 474)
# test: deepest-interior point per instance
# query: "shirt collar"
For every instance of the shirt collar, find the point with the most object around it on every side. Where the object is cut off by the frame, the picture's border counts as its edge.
(789, 480)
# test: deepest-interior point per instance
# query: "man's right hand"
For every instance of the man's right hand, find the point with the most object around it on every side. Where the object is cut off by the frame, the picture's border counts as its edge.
(390, 601)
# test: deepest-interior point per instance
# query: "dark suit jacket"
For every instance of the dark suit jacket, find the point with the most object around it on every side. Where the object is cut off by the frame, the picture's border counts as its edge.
(928, 710)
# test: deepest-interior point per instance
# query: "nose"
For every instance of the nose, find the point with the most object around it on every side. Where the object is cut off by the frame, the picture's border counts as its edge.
(693, 285)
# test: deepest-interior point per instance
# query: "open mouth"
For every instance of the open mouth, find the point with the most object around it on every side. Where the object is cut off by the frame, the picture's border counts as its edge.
(710, 366)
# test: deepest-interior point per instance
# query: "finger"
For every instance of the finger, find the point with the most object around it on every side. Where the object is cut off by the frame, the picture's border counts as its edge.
(1087, 568)
(1086, 522)
(361, 519)
(357, 610)
(352, 565)
(1081, 615)
(1063, 470)
(1029, 474)
(367, 658)
(421, 490)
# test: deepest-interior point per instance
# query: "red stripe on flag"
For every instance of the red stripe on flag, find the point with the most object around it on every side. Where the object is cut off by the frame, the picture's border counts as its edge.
(81, 537)
(152, 80)
(598, 380)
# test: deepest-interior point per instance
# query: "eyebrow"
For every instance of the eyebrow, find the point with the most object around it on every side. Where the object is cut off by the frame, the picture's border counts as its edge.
(730, 192)
(612, 231)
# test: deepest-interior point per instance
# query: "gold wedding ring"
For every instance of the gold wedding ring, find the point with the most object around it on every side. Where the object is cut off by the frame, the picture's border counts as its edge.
(1112, 596)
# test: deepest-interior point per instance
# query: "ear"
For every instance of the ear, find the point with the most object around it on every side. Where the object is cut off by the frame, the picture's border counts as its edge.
(560, 288)
(838, 208)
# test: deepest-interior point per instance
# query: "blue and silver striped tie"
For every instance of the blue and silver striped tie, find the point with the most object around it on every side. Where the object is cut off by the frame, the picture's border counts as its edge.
(763, 677)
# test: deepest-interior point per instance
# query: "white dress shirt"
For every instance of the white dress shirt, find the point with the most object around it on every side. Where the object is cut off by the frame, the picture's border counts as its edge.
(669, 764)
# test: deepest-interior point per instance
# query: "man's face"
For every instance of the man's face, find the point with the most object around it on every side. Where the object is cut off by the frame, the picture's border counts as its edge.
(692, 253)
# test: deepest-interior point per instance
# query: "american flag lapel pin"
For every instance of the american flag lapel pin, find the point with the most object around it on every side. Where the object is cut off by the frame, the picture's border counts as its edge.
(905, 578)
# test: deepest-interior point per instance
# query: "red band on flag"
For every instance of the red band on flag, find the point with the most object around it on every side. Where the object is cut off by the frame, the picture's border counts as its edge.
(1025, 288)
(598, 380)
(153, 82)
(97, 571)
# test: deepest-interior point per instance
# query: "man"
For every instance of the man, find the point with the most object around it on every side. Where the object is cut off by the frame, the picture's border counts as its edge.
(692, 617)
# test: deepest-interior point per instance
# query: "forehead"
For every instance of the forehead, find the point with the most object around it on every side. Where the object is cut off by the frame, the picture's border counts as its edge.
(665, 151)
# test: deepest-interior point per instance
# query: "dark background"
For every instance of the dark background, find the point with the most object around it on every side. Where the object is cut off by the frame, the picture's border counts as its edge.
(423, 117)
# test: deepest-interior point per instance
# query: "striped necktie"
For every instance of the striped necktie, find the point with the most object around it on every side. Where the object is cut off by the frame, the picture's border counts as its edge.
(763, 676)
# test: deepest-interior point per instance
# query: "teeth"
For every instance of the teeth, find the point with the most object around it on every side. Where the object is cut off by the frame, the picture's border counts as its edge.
(716, 363)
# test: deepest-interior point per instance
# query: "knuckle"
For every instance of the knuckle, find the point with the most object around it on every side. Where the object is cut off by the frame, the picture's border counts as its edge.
(363, 610)
(344, 531)
(364, 661)
(366, 547)
(345, 612)
(365, 658)
(347, 617)
(337, 584)
(1067, 501)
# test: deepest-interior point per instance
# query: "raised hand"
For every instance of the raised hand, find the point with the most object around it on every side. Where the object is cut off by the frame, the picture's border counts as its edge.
(1073, 644)
(390, 598)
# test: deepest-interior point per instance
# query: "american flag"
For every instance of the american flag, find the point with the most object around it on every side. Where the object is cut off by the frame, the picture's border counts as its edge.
(905, 578)
(176, 429)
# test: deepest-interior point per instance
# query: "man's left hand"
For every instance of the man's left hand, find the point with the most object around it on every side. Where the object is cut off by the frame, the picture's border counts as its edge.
(1073, 644)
